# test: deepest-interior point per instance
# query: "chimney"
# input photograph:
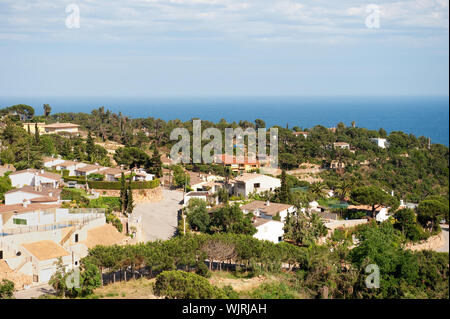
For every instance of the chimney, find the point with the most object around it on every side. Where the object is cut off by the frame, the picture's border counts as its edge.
(50, 194)
(402, 203)
(25, 203)
(267, 203)
(42, 171)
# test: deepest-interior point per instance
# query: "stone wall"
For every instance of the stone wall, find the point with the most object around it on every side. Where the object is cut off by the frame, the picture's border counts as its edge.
(139, 195)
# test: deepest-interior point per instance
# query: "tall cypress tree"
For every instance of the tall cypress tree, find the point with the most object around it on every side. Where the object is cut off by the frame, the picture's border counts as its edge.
(156, 163)
(284, 190)
(123, 193)
(130, 202)
(36, 133)
(90, 147)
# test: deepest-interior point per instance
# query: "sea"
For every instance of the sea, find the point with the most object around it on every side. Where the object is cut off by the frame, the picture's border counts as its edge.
(419, 115)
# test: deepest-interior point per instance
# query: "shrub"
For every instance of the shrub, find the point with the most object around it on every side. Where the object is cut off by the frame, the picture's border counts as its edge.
(6, 289)
(177, 284)
(202, 270)
(272, 291)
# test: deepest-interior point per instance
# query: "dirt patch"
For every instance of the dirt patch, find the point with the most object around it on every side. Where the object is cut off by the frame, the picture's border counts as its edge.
(239, 284)
(104, 235)
(132, 289)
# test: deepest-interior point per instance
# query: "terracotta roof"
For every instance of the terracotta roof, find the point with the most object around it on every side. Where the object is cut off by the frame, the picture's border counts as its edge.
(44, 199)
(89, 167)
(45, 249)
(272, 209)
(39, 173)
(202, 193)
(230, 159)
(364, 207)
(258, 221)
(61, 125)
(44, 191)
(114, 171)
(19, 208)
(68, 163)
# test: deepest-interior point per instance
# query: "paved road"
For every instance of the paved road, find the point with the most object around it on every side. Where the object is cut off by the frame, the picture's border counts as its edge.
(34, 292)
(159, 220)
(445, 248)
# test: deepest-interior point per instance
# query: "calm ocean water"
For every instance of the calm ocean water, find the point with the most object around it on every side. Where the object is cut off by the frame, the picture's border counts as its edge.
(421, 116)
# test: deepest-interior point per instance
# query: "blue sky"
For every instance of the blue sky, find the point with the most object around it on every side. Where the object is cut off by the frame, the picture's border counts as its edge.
(223, 47)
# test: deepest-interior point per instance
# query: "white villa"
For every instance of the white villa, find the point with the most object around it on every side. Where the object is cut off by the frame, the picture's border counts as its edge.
(33, 194)
(381, 142)
(34, 177)
(268, 210)
(248, 183)
(34, 236)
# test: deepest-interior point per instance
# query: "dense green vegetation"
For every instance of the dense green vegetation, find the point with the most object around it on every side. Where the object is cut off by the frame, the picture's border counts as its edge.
(314, 271)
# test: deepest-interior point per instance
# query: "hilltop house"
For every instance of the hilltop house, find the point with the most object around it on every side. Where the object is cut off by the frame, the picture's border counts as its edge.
(341, 145)
(88, 169)
(247, 183)
(52, 161)
(69, 166)
(33, 194)
(304, 134)
(61, 128)
(34, 177)
(236, 163)
(114, 174)
(381, 142)
(268, 210)
(268, 229)
(382, 213)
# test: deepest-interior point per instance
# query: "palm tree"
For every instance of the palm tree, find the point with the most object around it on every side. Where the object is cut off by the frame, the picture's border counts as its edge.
(317, 189)
(344, 189)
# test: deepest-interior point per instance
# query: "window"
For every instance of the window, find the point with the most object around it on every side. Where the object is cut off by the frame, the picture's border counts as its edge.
(76, 238)
(1, 254)
(256, 185)
(19, 221)
(280, 238)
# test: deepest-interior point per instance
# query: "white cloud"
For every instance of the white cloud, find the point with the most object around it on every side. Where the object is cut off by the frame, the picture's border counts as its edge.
(240, 19)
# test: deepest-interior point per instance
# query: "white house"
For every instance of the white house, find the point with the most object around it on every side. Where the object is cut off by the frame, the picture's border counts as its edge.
(70, 166)
(248, 183)
(268, 210)
(114, 174)
(341, 145)
(33, 194)
(52, 161)
(268, 229)
(61, 128)
(203, 195)
(304, 134)
(34, 177)
(34, 236)
(141, 175)
(88, 169)
(381, 142)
